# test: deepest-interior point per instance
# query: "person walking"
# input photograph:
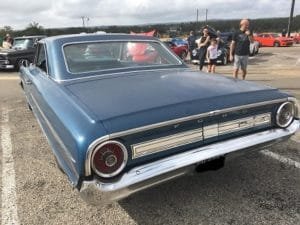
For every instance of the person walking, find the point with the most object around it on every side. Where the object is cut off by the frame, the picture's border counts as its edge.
(212, 55)
(203, 44)
(191, 43)
(239, 48)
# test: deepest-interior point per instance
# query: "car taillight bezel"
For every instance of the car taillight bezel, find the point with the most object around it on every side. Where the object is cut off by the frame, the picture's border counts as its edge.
(120, 168)
(279, 113)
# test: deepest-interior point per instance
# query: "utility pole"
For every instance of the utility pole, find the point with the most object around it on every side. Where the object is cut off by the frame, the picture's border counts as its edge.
(82, 18)
(291, 18)
(206, 11)
(197, 20)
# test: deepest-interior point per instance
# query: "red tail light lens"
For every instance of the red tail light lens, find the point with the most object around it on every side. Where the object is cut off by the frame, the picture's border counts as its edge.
(109, 159)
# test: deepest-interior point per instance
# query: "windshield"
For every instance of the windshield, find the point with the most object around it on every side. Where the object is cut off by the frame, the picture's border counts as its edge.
(23, 43)
(89, 57)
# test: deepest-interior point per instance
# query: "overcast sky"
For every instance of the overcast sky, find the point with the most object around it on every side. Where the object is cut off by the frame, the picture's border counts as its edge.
(65, 13)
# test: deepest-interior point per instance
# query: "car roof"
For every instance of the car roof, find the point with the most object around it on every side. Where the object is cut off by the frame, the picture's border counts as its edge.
(36, 36)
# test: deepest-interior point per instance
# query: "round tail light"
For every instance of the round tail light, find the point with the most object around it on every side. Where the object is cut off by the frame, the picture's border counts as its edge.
(109, 159)
(285, 114)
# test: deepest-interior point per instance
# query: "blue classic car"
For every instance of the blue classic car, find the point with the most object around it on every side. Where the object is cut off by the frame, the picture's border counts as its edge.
(123, 113)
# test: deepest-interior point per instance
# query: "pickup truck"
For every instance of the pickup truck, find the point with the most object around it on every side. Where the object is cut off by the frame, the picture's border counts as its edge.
(22, 51)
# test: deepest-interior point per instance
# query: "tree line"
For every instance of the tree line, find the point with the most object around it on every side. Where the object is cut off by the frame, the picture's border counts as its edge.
(257, 25)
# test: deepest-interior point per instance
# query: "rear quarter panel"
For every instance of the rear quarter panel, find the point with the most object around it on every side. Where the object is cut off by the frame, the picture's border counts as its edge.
(69, 128)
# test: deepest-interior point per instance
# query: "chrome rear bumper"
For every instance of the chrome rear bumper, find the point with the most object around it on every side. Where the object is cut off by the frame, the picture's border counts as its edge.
(141, 177)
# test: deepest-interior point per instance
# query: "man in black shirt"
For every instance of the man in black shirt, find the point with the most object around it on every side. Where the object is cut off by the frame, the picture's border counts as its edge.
(240, 48)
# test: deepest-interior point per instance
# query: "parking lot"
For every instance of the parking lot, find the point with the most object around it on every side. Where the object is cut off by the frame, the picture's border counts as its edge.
(258, 188)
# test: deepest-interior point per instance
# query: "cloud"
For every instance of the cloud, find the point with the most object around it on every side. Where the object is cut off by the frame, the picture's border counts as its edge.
(66, 13)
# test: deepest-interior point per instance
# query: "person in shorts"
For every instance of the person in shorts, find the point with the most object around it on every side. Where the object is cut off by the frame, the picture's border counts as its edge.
(212, 56)
(239, 48)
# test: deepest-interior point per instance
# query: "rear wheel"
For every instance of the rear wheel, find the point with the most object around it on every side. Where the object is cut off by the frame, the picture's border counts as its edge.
(276, 44)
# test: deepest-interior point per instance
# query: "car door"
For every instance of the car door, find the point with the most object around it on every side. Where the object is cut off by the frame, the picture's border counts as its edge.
(268, 40)
(259, 38)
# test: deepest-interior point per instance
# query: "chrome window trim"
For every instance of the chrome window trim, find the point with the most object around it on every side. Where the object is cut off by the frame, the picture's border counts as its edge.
(116, 73)
(124, 149)
(43, 45)
(118, 40)
(91, 147)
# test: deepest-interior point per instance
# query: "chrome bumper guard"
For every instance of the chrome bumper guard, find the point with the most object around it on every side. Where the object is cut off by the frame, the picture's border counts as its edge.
(141, 177)
(4, 64)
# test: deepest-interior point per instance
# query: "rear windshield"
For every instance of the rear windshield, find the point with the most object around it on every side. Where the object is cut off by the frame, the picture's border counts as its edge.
(23, 43)
(89, 57)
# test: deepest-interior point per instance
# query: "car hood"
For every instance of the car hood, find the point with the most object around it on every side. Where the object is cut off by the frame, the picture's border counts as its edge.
(129, 101)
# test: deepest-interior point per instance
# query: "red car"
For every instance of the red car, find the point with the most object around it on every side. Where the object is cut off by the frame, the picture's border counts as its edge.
(180, 50)
(273, 39)
(296, 38)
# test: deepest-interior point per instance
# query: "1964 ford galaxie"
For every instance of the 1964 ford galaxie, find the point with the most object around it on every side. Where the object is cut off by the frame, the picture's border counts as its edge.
(123, 113)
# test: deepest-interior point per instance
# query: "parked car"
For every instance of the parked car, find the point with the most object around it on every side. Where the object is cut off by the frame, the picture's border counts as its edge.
(117, 126)
(23, 50)
(180, 50)
(273, 39)
(296, 38)
(223, 55)
(179, 41)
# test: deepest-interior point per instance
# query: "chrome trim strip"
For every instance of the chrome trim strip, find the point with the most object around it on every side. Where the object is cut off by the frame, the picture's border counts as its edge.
(147, 175)
(191, 136)
(244, 123)
(164, 143)
(166, 123)
(105, 75)
(210, 131)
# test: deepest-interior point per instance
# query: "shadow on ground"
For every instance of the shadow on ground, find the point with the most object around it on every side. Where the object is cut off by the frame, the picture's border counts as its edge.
(246, 191)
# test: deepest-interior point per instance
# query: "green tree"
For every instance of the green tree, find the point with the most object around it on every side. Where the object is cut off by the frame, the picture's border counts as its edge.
(34, 28)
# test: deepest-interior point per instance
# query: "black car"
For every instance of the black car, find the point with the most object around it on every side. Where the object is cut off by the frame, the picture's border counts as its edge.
(223, 49)
(223, 54)
(22, 52)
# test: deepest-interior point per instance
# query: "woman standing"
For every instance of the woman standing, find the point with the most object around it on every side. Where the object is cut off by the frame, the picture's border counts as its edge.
(203, 44)
(7, 42)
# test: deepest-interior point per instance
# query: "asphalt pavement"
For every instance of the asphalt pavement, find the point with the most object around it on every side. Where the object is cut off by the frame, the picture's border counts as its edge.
(257, 188)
